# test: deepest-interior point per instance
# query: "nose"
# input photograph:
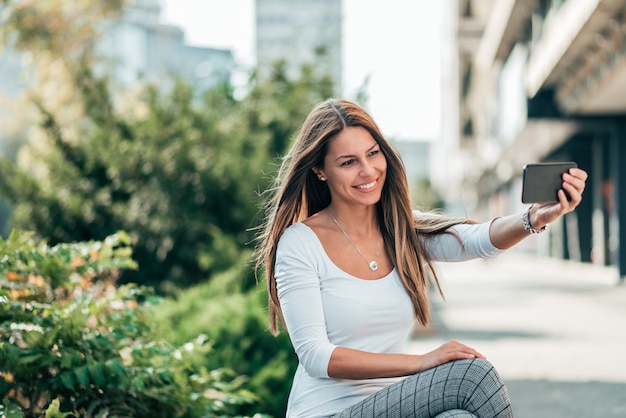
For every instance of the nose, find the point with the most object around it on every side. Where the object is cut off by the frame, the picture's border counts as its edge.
(367, 169)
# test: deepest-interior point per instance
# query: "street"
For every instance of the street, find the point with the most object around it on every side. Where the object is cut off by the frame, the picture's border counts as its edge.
(555, 330)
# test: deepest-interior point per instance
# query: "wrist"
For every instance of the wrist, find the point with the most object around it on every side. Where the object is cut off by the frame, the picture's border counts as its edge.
(417, 363)
(531, 222)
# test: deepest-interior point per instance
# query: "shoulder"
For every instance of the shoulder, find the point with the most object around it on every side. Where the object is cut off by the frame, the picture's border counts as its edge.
(295, 233)
(298, 245)
(297, 238)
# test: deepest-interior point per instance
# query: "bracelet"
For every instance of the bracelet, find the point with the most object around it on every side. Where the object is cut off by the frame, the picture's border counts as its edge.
(527, 225)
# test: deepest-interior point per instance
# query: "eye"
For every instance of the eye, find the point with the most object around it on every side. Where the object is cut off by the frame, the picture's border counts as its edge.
(374, 152)
(347, 163)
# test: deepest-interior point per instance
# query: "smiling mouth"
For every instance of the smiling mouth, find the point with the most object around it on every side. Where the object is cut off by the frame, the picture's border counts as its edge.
(366, 186)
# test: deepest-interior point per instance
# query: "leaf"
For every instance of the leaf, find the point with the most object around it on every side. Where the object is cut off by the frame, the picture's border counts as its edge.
(67, 359)
(13, 411)
(67, 378)
(82, 376)
(30, 358)
(54, 410)
(34, 338)
(116, 367)
(138, 384)
(96, 371)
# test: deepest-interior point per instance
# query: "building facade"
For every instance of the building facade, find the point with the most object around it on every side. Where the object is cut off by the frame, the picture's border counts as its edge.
(539, 81)
(138, 45)
(295, 30)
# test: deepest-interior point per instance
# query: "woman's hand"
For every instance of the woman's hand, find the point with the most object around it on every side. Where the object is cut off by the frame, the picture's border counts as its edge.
(452, 350)
(574, 185)
(507, 231)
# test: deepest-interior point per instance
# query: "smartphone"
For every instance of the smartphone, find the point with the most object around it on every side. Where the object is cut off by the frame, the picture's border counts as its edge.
(541, 182)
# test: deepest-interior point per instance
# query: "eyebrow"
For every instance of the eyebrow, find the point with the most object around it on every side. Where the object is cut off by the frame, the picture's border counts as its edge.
(352, 156)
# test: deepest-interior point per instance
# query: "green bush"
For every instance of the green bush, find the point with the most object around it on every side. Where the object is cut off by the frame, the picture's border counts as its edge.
(72, 343)
(236, 323)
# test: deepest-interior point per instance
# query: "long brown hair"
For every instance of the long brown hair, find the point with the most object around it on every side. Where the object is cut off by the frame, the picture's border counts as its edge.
(297, 194)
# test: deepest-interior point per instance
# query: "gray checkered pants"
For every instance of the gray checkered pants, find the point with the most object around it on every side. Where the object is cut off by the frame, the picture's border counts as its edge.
(459, 389)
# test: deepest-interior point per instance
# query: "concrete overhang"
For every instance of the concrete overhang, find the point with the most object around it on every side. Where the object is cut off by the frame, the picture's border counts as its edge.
(505, 27)
(580, 55)
(603, 91)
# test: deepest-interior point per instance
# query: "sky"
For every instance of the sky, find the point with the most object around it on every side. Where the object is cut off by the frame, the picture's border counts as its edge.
(394, 43)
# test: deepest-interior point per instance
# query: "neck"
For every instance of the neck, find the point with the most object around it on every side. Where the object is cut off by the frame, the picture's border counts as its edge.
(361, 222)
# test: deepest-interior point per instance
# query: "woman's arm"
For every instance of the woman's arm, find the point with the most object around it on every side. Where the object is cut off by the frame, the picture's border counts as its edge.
(507, 231)
(301, 301)
(346, 363)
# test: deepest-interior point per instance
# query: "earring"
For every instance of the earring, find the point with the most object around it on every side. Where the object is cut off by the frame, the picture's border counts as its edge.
(323, 178)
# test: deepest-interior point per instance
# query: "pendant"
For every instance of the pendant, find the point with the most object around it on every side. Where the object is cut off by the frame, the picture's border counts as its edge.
(373, 265)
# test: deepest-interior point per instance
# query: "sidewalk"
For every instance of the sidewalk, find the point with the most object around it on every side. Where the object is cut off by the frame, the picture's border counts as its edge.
(555, 330)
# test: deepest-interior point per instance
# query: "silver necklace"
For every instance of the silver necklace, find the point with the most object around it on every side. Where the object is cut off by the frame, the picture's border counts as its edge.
(373, 265)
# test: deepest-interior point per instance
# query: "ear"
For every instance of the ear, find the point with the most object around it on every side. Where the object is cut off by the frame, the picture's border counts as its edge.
(319, 173)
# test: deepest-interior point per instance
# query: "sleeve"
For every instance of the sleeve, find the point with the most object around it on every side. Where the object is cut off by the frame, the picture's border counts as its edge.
(465, 242)
(299, 293)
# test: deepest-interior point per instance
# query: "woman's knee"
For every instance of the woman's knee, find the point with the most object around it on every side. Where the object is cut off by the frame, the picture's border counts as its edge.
(481, 387)
(476, 371)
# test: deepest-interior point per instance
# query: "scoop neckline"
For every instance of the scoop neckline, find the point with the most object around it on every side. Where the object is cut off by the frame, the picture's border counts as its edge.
(335, 266)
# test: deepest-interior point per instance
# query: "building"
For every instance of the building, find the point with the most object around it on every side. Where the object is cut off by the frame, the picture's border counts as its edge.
(138, 45)
(294, 30)
(537, 81)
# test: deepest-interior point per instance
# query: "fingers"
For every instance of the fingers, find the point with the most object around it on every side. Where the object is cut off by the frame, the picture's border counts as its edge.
(454, 350)
(578, 173)
(576, 178)
(574, 184)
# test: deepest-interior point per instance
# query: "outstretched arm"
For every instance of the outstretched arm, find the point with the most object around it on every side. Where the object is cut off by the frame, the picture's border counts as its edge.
(507, 231)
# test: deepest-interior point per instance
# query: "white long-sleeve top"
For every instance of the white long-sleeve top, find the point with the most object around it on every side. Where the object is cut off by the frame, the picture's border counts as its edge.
(324, 307)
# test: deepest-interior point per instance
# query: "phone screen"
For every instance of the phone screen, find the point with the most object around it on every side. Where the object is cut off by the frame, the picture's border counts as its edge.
(542, 181)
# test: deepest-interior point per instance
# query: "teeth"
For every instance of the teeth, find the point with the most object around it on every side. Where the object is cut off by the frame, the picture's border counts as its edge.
(367, 186)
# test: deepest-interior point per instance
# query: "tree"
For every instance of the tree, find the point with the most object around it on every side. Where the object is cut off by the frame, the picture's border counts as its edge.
(179, 171)
(176, 171)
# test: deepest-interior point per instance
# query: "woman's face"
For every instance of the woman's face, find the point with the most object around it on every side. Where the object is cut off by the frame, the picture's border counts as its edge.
(354, 167)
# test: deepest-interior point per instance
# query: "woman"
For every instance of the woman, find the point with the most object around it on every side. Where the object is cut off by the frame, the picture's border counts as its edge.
(347, 263)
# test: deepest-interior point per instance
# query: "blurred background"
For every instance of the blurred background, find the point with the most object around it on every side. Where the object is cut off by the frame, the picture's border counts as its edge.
(166, 119)
(469, 90)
